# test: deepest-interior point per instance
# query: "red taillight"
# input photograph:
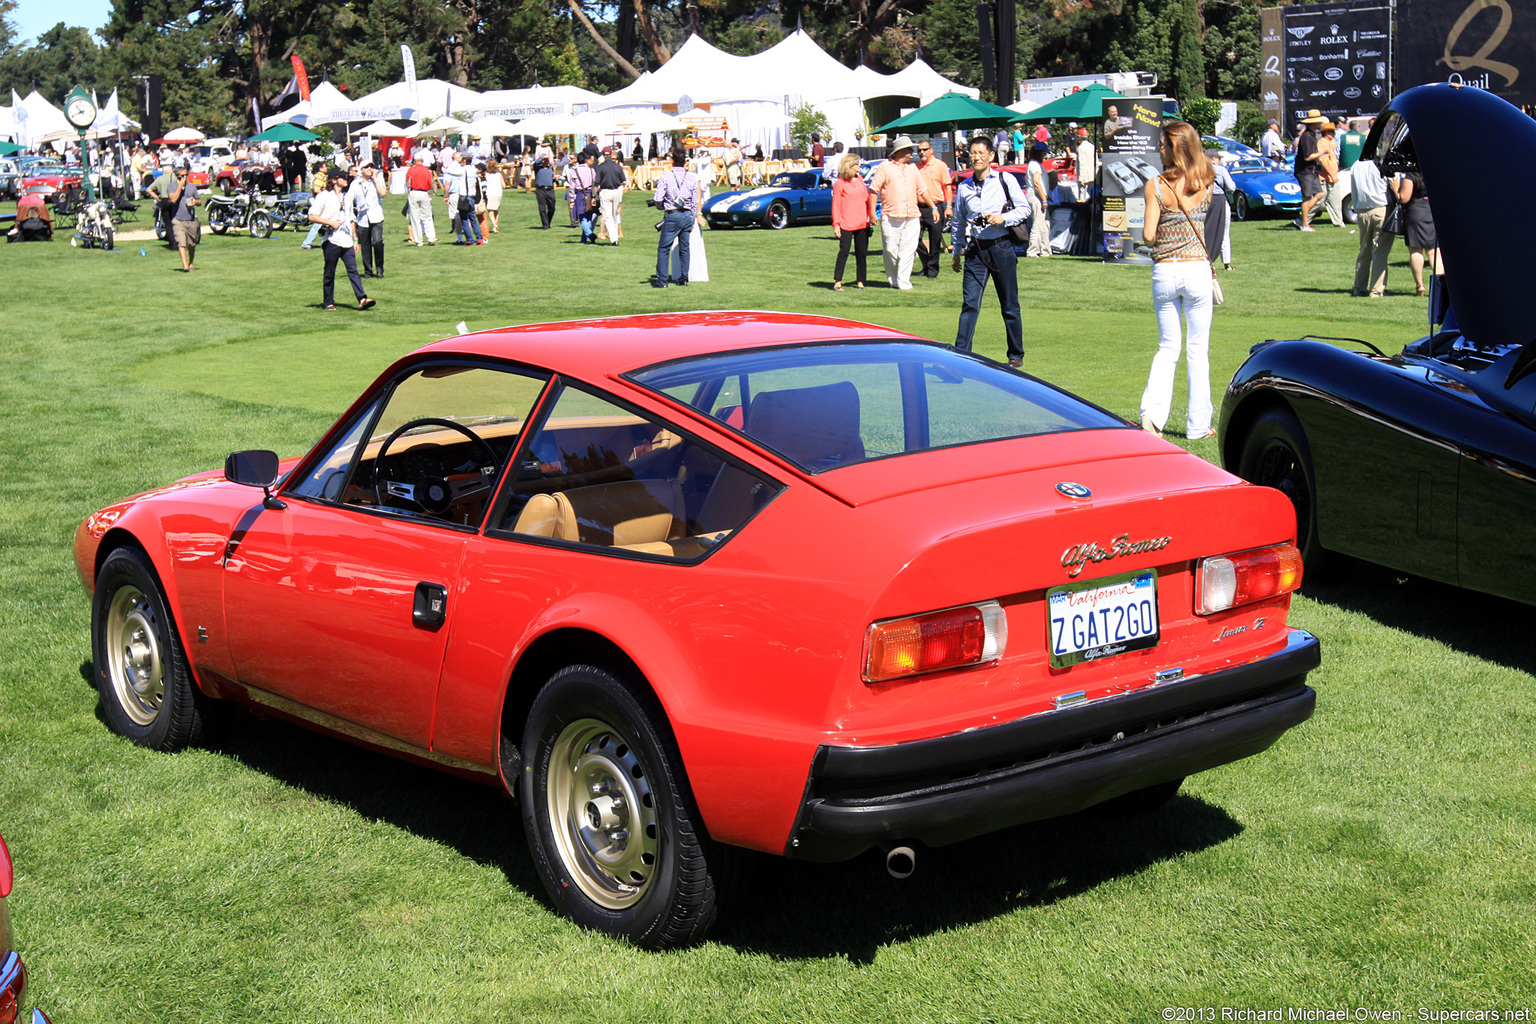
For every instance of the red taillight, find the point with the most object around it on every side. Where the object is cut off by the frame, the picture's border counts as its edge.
(952, 638)
(1230, 581)
(6, 874)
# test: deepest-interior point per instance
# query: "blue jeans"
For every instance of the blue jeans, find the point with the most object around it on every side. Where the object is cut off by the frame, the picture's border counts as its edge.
(675, 226)
(469, 226)
(993, 258)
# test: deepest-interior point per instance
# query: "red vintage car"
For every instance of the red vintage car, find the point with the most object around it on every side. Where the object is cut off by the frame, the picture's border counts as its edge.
(52, 178)
(13, 973)
(688, 583)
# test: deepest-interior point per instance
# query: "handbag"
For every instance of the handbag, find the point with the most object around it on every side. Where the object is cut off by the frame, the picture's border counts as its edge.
(1216, 296)
(1392, 223)
(1020, 232)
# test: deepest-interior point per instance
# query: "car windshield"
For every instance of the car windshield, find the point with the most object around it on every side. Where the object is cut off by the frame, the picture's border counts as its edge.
(832, 405)
(795, 179)
(1248, 165)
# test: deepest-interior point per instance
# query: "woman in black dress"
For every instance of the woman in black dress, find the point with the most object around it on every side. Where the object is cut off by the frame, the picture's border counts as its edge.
(1418, 227)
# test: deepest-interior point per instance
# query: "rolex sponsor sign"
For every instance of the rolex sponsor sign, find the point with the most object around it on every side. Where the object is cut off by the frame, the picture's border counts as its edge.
(1337, 58)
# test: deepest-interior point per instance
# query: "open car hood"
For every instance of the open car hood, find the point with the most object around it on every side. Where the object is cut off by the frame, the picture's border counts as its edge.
(1485, 246)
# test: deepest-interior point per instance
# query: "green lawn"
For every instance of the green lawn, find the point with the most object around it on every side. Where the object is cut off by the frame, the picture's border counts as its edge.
(1381, 856)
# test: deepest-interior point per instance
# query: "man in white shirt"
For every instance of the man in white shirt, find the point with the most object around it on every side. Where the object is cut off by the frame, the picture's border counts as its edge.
(1271, 146)
(331, 210)
(366, 200)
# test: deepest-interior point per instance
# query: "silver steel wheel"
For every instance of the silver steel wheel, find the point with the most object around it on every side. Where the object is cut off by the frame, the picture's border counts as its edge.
(602, 814)
(135, 663)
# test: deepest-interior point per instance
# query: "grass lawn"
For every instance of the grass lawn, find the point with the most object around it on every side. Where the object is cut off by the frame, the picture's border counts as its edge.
(1380, 856)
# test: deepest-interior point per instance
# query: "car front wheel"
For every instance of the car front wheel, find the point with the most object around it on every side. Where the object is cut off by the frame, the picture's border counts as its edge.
(777, 217)
(609, 815)
(1275, 454)
(1240, 207)
(141, 673)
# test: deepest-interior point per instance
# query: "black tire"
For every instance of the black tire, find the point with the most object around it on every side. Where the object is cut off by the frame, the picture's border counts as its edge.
(1140, 801)
(261, 225)
(107, 239)
(609, 815)
(1348, 207)
(777, 217)
(1275, 454)
(160, 228)
(218, 219)
(146, 688)
(1240, 209)
(226, 186)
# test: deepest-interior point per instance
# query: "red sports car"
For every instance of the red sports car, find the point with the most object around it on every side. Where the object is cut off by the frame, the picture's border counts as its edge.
(13, 973)
(688, 583)
(54, 178)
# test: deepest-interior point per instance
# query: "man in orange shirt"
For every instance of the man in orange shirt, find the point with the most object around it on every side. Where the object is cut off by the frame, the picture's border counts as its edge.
(896, 183)
(934, 192)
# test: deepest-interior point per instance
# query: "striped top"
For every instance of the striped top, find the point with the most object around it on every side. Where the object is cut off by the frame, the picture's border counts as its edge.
(1180, 237)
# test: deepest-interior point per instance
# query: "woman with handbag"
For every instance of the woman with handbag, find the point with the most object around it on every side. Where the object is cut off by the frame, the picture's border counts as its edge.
(1183, 280)
(853, 211)
(1418, 228)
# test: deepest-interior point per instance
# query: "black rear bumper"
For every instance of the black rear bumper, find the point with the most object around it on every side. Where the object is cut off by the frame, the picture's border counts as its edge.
(954, 787)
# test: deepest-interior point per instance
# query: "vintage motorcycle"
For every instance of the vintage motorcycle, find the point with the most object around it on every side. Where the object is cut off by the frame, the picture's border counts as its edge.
(249, 209)
(291, 210)
(93, 226)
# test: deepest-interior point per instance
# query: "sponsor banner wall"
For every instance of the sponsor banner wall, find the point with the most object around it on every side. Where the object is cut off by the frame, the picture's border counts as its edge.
(1490, 43)
(1338, 59)
(1130, 160)
(1272, 78)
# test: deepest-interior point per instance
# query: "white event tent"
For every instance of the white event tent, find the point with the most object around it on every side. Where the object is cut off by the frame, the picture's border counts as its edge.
(756, 94)
(428, 97)
(323, 98)
(551, 100)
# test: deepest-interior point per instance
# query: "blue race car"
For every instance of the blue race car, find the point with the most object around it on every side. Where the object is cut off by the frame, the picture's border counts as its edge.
(794, 197)
(1262, 187)
(1232, 148)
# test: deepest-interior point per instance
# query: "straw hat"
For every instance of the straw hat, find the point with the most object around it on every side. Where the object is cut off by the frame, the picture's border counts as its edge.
(1314, 117)
(902, 142)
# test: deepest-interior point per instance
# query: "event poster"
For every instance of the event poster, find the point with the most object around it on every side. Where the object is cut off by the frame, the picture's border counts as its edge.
(1489, 43)
(1338, 59)
(1131, 129)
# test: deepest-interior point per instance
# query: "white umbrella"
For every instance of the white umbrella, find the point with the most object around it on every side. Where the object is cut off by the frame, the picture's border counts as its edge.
(383, 129)
(184, 135)
(441, 126)
(649, 123)
(491, 127)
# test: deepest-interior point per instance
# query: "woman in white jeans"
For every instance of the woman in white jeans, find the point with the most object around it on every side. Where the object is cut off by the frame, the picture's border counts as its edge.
(1181, 280)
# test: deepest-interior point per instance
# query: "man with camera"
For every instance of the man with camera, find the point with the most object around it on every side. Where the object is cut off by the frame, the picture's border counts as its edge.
(677, 196)
(986, 207)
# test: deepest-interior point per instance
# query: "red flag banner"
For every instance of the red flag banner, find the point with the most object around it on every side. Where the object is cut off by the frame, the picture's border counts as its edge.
(298, 72)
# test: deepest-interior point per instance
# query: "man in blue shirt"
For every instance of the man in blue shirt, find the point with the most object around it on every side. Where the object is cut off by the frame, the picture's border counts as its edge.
(986, 206)
(677, 196)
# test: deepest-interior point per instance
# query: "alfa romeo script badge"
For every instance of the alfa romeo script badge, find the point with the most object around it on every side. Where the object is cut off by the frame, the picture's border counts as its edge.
(1077, 492)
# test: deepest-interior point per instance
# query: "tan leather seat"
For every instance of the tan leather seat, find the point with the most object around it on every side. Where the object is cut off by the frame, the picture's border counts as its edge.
(626, 514)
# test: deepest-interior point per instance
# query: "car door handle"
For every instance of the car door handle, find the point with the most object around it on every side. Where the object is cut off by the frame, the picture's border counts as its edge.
(430, 609)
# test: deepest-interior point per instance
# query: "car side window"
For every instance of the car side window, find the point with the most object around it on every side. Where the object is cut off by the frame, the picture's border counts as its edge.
(431, 448)
(598, 474)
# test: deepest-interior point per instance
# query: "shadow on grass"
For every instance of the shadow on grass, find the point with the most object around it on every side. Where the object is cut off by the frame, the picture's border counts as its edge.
(798, 910)
(1491, 628)
(788, 909)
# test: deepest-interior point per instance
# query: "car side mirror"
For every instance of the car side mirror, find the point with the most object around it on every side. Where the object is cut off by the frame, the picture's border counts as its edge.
(255, 468)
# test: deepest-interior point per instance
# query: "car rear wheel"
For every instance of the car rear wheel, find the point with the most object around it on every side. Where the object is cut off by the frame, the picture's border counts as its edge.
(777, 216)
(147, 692)
(609, 816)
(1275, 454)
(1240, 206)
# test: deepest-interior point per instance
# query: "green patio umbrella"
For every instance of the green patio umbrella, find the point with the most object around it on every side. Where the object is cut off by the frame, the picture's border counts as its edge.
(9, 148)
(951, 111)
(285, 132)
(1086, 104)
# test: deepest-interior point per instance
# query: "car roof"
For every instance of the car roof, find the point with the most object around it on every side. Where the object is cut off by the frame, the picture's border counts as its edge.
(597, 348)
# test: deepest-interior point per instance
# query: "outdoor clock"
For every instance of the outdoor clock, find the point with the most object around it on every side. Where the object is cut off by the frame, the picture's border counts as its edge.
(79, 110)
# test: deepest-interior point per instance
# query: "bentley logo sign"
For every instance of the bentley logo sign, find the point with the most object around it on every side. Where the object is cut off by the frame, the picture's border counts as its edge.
(1079, 555)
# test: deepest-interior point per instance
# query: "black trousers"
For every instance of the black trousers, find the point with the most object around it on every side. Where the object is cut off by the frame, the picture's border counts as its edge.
(930, 241)
(546, 197)
(371, 238)
(860, 241)
(328, 282)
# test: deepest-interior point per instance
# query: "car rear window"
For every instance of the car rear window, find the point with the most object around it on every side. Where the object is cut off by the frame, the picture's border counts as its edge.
(827, 406)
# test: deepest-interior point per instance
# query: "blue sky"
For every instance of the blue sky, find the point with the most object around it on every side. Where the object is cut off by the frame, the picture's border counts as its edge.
(33, 17)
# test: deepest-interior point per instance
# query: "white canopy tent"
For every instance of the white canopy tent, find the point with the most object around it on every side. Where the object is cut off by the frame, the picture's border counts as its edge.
(39, 121)
(491, 128)
(756, 94)
(323, 98)
(516, 104)
(428, 97)
(110, 120)
(441, 126)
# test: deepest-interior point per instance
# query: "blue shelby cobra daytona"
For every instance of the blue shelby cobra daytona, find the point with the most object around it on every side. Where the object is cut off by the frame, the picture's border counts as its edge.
(794, 197)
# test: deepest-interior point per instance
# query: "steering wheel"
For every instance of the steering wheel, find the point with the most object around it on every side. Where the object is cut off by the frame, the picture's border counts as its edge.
(432, 493)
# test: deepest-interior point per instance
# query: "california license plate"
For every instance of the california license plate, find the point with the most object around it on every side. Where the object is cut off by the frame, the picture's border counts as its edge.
(1099, 618)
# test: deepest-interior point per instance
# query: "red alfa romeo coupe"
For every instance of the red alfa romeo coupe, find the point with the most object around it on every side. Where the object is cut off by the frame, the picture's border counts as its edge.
(684, 584)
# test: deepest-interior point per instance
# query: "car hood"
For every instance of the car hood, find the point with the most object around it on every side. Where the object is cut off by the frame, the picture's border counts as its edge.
(731, 199)
(1488, 267)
